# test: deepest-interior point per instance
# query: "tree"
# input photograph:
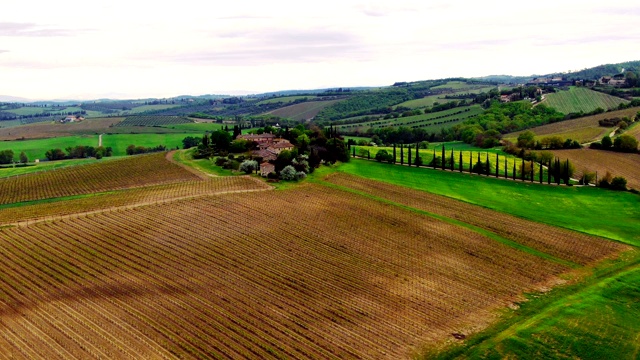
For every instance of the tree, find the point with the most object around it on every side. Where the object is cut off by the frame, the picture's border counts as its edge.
(249, 166)
(625, 143)
(6, 156)
(23, 158)
(383, 155)
(526, 139)
(190, 141)
(618, 183)
(54, 154)
(606, 142)
(288, 173)
(220, 140)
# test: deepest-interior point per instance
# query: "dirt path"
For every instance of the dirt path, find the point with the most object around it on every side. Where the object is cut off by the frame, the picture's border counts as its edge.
(198, 173)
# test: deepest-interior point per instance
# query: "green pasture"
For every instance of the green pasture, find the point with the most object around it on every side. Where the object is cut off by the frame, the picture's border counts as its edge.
(611, 214)
(36, 149)
(284, 100)
(44, 166)
(199, 128)
(469, 158)
(143, 108)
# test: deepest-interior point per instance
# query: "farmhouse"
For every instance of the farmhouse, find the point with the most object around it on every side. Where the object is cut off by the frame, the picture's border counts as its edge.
(265, 154)
(267, 168)
(72, 118)
(259, 138)
(283, 145)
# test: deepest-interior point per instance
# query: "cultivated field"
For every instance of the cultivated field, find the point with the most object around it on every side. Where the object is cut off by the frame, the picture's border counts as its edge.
(432, 122)
(240, 284)
(303, 111)
(127, 198)
(585, 129)
(134, 171)
(579, 99)
(635, 132)
(618, 164)
(559, 243)
(50, 129)
(153, 120)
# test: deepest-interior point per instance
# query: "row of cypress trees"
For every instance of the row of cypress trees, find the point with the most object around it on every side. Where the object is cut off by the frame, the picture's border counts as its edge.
(559, 171)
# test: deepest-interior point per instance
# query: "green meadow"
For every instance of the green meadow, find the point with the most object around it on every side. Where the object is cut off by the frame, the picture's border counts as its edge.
(36, 149)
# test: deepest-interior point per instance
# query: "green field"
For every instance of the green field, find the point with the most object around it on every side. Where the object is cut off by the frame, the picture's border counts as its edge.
(143, 108)
(45, 166)
(35, 149)
(429, 101)
(579, 99)
(283, 99)
(199, 128)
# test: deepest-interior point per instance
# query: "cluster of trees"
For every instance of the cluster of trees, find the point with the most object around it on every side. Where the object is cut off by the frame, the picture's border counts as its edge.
(135, 150)
(622, 143)
(79, 152)
(486, 130)
(526, 140)
(6, 157)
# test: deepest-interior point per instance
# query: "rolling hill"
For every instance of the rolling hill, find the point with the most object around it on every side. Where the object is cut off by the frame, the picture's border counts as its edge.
(579, 99)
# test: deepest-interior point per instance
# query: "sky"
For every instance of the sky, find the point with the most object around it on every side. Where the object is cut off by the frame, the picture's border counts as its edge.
(70, 49)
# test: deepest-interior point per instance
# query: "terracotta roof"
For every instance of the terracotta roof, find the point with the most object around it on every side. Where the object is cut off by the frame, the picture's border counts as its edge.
(282, 145)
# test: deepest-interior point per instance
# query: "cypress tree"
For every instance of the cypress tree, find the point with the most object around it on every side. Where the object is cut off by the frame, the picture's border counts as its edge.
(557, 170)
(409, 160)
(354, 151)
(506, 168)
(514, 170)
(470, 162)
(417, 156)
(394, 153)
(460, 162)
(452, 162)
(443, 157)
(368, 154)
(532, 172)
(486, 166)
(549, 173)
(497, 164)
(434, 158)
(401, 154)
(540, 172)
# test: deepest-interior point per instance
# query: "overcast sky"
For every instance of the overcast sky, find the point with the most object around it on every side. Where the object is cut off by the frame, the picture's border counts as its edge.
(135, 49)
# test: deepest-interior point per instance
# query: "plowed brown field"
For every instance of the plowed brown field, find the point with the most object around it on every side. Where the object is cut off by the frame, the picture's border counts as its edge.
(134, 171)
(618, 164)
(310, 272)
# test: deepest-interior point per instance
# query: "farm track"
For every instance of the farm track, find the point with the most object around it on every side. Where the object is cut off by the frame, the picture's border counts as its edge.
(331, 275)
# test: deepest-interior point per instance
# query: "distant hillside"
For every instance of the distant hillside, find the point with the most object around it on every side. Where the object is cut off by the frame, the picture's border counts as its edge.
(303, 111)
(581, 99)
(597, 72)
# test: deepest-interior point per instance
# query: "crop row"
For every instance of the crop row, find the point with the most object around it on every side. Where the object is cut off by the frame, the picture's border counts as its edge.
(567, 245)
(335, 275)
(148, 195)
(136, 171)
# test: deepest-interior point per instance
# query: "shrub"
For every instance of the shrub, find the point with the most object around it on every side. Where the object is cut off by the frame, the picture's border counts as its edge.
(606, 180)
(220, 161)
(618, 183)
(288, 173)
(383, 155)
(248, 166)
